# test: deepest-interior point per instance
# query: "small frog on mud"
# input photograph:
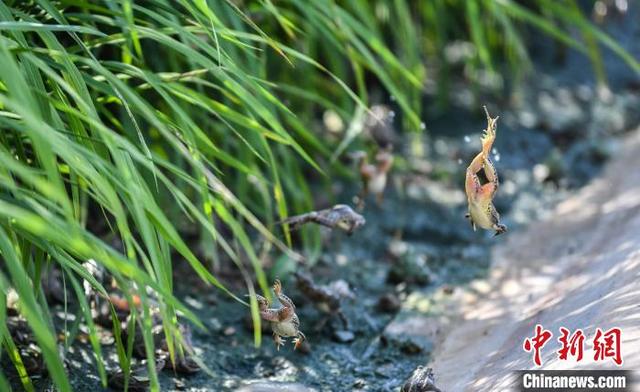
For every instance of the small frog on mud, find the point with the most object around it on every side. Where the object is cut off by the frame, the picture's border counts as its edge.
(421, 380)
(374, 177)
(480, 196)
(326, 298)
(340, 216)
(284, 320)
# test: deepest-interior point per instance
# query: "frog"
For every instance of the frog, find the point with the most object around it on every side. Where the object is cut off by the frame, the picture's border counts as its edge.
(481, 210)
(340, 216)
(284, 320)
(374, 176)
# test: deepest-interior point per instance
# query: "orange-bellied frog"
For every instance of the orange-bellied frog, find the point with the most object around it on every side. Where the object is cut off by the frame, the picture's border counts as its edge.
(480, 196)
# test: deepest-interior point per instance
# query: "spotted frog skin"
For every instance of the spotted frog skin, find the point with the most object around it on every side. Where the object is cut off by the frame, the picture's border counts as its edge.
(340, 216)
(284, 320)
(480, 196)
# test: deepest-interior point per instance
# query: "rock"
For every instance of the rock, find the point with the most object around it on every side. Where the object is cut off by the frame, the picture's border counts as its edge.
(410, 268)
(343, 336)
(447, 289)
(421, 380)
(179, 383)
(138, 378)
(410, 347)
(388, 303)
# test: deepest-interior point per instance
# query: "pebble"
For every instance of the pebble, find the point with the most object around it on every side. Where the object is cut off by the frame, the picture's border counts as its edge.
(388, 303)
(343, 336)
(359, 383)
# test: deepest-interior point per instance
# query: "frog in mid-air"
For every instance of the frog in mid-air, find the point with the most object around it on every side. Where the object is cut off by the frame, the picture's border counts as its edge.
(284, 320)
(340, 216)
(374, 176)
(480, 196)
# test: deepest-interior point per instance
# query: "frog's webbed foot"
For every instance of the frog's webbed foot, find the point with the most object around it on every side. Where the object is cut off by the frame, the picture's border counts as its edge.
(298, 340)
(278, 340)
(277, 287)
(499, 228)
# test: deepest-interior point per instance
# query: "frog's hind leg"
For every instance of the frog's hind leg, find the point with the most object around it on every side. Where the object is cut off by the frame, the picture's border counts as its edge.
(472, 182)
(491, 187)
(298, 340)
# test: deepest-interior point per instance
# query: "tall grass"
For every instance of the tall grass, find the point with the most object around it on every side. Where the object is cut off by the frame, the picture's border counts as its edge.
(159, 118)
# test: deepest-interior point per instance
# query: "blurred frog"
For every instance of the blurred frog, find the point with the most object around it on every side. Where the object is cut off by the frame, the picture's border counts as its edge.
(374, 176)
(480, 196)
(340, 216)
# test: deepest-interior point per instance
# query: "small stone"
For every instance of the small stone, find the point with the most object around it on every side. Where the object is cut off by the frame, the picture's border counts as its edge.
(359, 383)
(389, 303)
(448, 289)
(332, 121)
(214, 324)
(541, 172)
(397, 248)
(343, 336)
(179, 384)
(342, 260)
(410, 347)
(229, 331)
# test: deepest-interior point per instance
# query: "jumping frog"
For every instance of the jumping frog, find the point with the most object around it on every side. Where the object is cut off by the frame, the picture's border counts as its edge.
(284, 320)
(339, 216)
(374, 177)
(480, 196)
